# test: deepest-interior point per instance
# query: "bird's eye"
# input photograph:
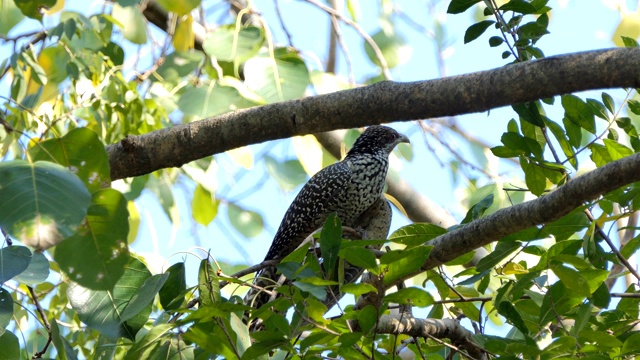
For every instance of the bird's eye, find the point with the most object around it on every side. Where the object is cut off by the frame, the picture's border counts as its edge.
(391, 137)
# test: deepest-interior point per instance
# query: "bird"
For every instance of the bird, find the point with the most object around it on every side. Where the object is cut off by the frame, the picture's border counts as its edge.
(348, 188)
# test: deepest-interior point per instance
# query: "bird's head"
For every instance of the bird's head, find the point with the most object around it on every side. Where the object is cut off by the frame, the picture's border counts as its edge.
(377, 138)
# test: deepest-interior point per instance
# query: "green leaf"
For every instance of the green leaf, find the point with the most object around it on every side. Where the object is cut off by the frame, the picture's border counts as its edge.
(6, 309)
(601, 338)
(634, 106)
(10, 346)
(518, 6)
(572, 279)
(248, 223)
(330, 239)
(101, 309)
(284, 77)
(616, 150)
(557, 302)
(517, 141)
(629, 42)
(501, 251)
(64, 349)
(41, 202)
(631, 345)
(495, 41)
(229, 43)
(172, 292)
(412, 296)
(579, 113)
(143, 296)
(362, 258)
(204, 206)
(560, 135)
(13, 261)
(96, 258)
(181, 7)
(134, 26)
(416, 234)
(142, 348)
(506, 309)
(367, 318)
(477, 210)
(178, 65)
(458, 6)
(477, 29)
(400, 263)
(318, 292)
(609, 103)
(534, 176)
(631, 247)
(505, 152)
(33, 8)
(208, 284)
(529, 112)
(37, 271)
(358, 289)
(289, 174)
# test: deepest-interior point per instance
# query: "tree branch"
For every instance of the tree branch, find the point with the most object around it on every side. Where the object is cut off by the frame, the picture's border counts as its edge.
(437, 328)
(543, 210)
(383, 102)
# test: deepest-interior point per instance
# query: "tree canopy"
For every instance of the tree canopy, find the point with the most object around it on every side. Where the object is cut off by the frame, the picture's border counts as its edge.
(139, 125)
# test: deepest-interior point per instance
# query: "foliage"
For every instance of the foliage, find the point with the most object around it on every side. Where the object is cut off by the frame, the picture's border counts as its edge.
(69, 277)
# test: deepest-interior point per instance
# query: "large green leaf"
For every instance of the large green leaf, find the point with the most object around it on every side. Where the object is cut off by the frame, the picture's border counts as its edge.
(172, 292)
(228, 43)
(10, 346)
(37, 271)
(41, 202)
(82, 152)
(283, 77)
(101, 309)
(13, 261)
(96, 258)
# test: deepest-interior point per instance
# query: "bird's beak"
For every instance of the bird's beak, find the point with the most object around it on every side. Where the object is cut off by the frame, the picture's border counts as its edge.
(404, 139)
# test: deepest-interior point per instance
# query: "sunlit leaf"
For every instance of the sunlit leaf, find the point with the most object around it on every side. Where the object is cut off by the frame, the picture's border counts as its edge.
(42, 202)
(82, 152)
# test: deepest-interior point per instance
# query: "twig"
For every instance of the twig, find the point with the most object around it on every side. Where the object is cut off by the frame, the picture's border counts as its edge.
(383, 62)
(45, 321)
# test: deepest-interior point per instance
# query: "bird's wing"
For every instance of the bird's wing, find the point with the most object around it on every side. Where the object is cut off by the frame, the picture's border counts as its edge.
(309, 210)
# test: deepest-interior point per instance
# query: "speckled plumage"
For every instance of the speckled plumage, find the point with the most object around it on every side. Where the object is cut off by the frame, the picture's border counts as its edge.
(348, 187)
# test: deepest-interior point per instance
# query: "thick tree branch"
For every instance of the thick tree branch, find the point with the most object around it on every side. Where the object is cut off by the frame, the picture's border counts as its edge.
(379, 103)
(436, 328)
(543, 210)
